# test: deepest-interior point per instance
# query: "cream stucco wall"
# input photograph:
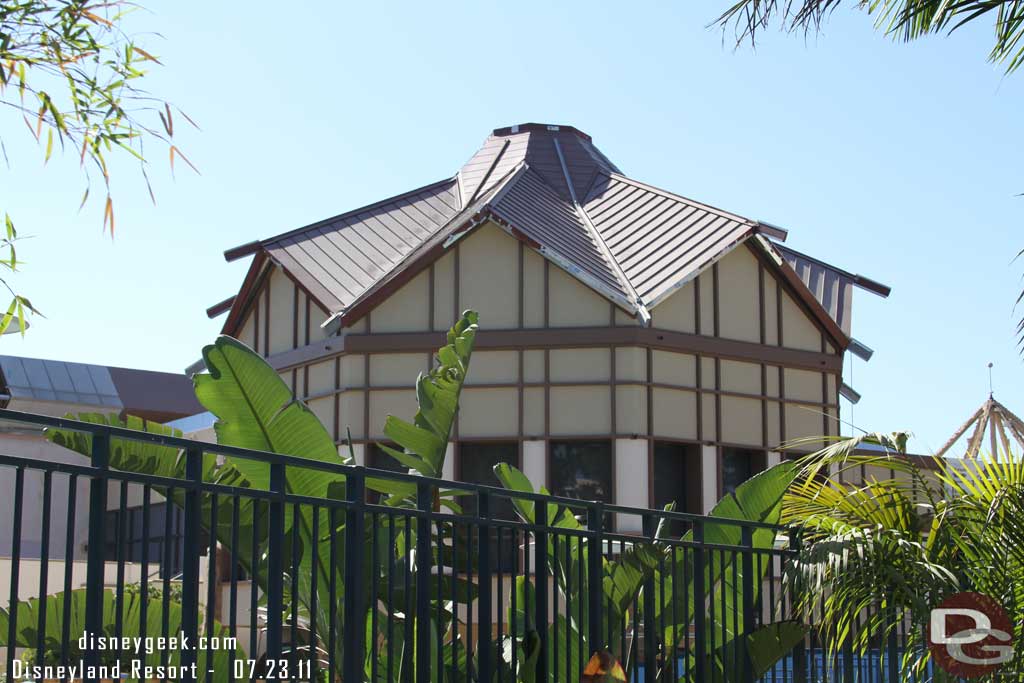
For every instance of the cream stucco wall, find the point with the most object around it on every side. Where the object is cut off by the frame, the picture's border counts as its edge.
(623, 392)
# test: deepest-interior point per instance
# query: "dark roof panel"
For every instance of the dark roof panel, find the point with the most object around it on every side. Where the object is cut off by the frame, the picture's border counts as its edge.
(339, 260)
(532, 206)
(659, 239)
(551, 186)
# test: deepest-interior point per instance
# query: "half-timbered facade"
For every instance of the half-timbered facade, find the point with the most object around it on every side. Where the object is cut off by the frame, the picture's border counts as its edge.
(635, 345)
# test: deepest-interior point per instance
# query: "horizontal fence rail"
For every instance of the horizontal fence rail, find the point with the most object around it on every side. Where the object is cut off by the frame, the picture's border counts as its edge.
(176, 574)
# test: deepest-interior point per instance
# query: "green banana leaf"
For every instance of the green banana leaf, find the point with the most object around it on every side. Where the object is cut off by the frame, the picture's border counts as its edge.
(255, 409)
(758, 499)
(766, 646)
(425, 439)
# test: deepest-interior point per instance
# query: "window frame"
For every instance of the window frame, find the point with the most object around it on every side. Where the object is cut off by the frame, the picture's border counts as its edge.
(613, 484)
(761, 465)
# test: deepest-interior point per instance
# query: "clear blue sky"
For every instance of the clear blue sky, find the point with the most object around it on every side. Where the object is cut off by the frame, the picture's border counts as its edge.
(900, 162)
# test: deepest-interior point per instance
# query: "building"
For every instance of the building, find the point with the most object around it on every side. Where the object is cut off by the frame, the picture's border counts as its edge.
(636, 346)
(57, 388)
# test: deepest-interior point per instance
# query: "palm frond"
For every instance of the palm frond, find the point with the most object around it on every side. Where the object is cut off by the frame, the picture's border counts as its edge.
(904, 20)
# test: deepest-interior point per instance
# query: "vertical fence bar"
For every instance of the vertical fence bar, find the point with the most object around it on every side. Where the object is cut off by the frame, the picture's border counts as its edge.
(540, 579)
(190, 558)
(483, 578)
(275, 552)
(747, 538)
(12, 624)
(650, 627)
(211, 584)
(353, 633)
(69, 554)
(700, 626)
(424, 502)
(44, 565)
(96, 564)
(595, 577)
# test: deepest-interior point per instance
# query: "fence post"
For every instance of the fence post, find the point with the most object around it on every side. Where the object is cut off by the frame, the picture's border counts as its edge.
(747, 548)
(190, 557)
(275, 549)
(650, 625)
(699, 600)
(483, 578)
(799, 652)
(354, 612)
(540, 584)
(94, 583)
(424, 561)
(595, 577)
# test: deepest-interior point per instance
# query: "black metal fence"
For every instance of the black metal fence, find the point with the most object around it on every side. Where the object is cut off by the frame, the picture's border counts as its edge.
(267, 584)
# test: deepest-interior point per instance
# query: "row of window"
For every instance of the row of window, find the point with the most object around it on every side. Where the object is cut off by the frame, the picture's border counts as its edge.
(585, 470)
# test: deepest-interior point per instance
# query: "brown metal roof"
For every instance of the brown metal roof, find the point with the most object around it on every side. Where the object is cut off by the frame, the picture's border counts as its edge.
(551, 187)
(659, 239)
(529, 204)
(534, 144)
(341, 258)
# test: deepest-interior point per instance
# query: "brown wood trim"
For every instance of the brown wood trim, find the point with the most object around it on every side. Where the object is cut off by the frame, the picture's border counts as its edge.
(256, 326)
(570, 384)
(718, 362)
(220, 307)
(824, 394)
(295, 317)
(266, 320)
(457, 276)
(547, 294)
(366, 396)
(308, 319)
(582, 337)
(614, 416)
(547, 392)
(650, 391)
(650, 473)
(520, 295)
(563, 338)
(762, 337)
(520, 380)
(700, 398)
(337, 398)
(430, 301)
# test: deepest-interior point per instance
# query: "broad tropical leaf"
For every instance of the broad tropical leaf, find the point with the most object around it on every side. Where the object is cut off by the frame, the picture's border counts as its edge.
(424, 440)
(255, 409)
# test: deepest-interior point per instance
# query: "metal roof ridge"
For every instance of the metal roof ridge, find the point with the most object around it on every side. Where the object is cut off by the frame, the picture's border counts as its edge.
(346, 214)
(637, 302)
(678, 197)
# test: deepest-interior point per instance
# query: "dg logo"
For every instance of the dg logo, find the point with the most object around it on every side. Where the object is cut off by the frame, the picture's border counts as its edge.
(970, 635)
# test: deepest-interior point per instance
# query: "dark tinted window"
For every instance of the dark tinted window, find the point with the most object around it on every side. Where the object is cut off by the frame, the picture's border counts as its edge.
(582, 469)
(677, 479)
(476, 466)
(738, 465)
(476, 461)
(379, 459)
